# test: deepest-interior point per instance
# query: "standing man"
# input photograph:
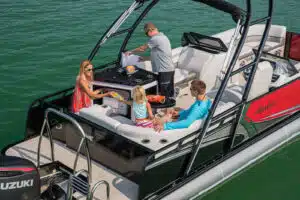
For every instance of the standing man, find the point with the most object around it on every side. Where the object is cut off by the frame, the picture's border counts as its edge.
(161, 58)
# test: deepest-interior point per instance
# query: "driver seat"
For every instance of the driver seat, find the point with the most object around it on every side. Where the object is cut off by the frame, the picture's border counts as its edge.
(262, 80)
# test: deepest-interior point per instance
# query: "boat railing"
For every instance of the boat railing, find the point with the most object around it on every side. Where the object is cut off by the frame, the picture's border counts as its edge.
(229, 73)
(184, 145)
(114, 27)
(83, 141)
(95, 187)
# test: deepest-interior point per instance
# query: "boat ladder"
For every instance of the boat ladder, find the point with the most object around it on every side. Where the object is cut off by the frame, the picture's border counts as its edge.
(79, 181)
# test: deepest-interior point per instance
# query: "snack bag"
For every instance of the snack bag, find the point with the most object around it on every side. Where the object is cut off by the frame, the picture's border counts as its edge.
(156, 98)
(117, 96)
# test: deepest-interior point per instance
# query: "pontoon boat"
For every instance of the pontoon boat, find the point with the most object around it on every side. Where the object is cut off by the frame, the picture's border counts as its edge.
(252, 77)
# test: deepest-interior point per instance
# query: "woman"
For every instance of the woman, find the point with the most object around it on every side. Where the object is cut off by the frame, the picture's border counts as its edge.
(83, 93)
(197, 110)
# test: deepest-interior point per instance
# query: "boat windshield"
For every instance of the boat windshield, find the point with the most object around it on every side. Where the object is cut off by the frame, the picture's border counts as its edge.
(203, 42)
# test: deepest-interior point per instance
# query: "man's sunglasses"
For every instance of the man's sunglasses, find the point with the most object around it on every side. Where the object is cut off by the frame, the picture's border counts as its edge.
(146, 32)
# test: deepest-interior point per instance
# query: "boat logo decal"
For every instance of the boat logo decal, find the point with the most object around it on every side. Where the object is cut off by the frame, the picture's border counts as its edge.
(282, 102)
(16, 184)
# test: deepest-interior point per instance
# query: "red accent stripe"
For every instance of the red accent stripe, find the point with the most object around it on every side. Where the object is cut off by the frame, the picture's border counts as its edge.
(23, 169)
(276, 104)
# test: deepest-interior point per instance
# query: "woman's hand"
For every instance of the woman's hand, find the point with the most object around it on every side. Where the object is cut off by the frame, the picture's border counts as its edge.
(109, 93)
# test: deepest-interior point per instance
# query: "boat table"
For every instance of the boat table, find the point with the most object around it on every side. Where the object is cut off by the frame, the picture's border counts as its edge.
(170, 102)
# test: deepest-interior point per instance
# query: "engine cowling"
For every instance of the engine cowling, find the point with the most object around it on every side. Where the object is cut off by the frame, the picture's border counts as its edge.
(19, 179)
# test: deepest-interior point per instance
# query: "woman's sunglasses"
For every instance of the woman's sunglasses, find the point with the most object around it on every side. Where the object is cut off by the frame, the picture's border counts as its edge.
(88, 70)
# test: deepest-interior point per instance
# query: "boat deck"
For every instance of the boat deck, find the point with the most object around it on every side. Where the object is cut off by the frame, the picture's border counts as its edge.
(120, 187)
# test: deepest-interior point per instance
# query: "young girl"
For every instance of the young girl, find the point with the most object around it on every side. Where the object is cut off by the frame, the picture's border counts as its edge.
(141, 108)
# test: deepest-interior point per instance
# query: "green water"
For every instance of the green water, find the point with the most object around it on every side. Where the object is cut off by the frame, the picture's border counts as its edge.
(43, 42)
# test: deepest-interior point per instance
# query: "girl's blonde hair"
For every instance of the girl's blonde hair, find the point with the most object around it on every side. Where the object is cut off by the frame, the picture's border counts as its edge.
(139, 94)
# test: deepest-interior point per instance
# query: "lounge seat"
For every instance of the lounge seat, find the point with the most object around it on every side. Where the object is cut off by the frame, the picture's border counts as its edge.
(156, 140)
(104, 116)
(145, 136)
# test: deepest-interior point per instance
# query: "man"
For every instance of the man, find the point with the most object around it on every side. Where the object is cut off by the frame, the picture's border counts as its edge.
(161, 58)
(198, 110)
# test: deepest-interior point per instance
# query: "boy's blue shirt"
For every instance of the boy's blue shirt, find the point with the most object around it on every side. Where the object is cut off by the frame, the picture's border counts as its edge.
(198, 110)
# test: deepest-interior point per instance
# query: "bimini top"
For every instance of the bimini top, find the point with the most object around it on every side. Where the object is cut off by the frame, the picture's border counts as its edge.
(222, 5)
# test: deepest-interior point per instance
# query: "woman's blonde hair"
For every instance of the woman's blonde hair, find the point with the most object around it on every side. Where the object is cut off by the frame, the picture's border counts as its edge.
(139, 94)
(83, 65)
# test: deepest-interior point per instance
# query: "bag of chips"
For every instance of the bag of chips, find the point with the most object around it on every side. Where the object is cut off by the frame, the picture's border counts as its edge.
(156, 98)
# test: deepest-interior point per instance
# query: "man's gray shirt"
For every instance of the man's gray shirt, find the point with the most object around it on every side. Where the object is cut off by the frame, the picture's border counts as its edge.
(161, 53)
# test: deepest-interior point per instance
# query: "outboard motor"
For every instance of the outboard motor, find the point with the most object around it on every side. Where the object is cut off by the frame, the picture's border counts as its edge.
(19, 179)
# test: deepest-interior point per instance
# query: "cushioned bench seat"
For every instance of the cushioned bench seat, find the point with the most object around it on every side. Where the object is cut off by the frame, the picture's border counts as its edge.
(103, 116)
(145, 136)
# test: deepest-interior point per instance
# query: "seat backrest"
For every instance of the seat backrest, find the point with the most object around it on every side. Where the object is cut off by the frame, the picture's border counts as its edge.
(206, 65)
(193, 60)
(262, 80)
(100, 115)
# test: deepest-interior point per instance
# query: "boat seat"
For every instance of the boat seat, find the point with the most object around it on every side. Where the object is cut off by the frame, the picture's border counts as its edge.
(103, 116)
(261, 84)
(231, 94)
(262, 80)
(276, 34)
(297, 66)
(180, 74)
(154, 139)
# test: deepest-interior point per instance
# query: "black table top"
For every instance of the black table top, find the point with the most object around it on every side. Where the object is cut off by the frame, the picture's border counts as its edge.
(119, 76)
(167, 104)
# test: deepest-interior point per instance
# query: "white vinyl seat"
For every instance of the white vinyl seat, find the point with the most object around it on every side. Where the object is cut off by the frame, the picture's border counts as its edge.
(262, 80)
(297, 66)
(229, 95)
(138, 134)
(103, 116)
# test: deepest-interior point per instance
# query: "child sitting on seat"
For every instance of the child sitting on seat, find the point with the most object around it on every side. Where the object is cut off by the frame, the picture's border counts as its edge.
(141, 108)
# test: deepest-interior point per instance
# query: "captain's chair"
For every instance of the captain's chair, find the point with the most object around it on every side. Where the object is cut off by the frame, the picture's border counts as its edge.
(262, 80)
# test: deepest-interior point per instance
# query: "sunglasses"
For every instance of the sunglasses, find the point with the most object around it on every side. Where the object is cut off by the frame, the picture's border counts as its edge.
(146, 32)
(88, 70)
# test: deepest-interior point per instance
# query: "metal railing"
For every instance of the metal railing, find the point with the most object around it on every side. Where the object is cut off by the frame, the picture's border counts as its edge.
(91, 195)
(83, 141)
(76, 183)
(228, 75)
